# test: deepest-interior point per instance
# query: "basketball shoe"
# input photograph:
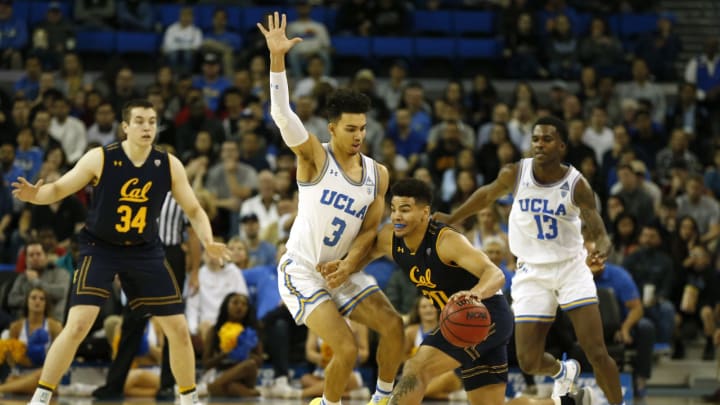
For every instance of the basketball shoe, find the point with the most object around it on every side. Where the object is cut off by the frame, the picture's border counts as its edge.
(565, 382)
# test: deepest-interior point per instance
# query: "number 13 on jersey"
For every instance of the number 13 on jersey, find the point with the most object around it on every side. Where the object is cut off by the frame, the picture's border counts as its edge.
(547, 227)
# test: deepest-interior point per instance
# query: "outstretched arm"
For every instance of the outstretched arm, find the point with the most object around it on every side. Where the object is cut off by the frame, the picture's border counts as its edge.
(454, 249)
(85, 170)
(593, 228)
(307, 147)
(484, 196)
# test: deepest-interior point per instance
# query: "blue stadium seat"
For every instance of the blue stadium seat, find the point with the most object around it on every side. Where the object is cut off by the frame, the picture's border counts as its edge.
(351, 46)
(435, 48)
(253, 15)
(168, 14)
(433, 22)
(634, 24)
(478, 48)
(95, 41)
(204, 15)
(38, 10)
(614, 24)
(330, 18)
(138, 42)
(396, 47)
(21, 10)
(474, 22)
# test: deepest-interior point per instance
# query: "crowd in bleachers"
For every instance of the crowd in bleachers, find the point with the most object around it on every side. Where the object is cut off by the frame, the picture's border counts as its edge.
(653, 161)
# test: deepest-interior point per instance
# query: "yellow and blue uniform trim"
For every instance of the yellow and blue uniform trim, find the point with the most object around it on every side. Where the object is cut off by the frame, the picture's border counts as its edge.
(302, 300)
(347, 307)
(579, 303)
(535, 318)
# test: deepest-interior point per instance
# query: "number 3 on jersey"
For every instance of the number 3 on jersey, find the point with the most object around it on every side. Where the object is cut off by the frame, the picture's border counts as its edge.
(128, 220)
(333, 239)
(544, 222)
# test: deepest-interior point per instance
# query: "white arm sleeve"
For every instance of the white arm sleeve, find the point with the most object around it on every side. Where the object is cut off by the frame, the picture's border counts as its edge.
(291, 128)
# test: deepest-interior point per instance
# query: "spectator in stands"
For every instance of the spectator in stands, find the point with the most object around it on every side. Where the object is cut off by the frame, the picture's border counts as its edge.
(521, 124)
(27, 155)
(676, 150)
(689, 114)
(13, 36)
(667, 215)
(305, 107)
(577, 149)
(230, 182)
(487, 154)
(232, 350)
(451, 115)
(588, 86)
(522, 50)
(702, 207)
(217, 280)
(316, 41)
(135, 15)
(18, 117)
(642, 88)
(195, 117)
(67, 130)
(203, 148)
(165, 127)
(703, 71)
(607, 98)
(253, 151)
(409, 141)
(635, 331)
(354, 18)
(624, 231)
(35, 330)
(597, 135)
(182, 40)
(28, 85)
(660, 49)
(264, 205)
(391, 91)
(621, 144)
(123, 89)
(261, 252)
(444, 156)
(221, 40)
(481, 98)
(316, 74)
(390, 18)
(105, 129)
(41, 131)
(562, 50)
(94, 14)
(6, 218)
(712, 174)
(648, 137)
(211, 83)
(231, 108)
(72, 79)
(364, 82)
(602, 51)
(11, 169)
(651, 267)
(699, 297)
(590, 170)
(41, 273)
(638, 201)
(501, 116)
(60, 32)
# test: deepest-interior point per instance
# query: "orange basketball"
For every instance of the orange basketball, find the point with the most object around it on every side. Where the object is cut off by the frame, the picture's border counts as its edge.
(465, 322)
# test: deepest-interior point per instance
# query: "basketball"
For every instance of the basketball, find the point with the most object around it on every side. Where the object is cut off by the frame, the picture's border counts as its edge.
(465, 322)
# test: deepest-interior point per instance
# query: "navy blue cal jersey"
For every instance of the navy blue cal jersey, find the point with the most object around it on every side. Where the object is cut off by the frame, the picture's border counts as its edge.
(435, 279)
(127, 200)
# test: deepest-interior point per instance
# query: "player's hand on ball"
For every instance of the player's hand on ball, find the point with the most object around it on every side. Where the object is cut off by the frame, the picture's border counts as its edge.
(465, 295)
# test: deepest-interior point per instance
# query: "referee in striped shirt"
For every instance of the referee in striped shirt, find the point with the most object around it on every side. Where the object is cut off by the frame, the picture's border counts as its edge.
(172, 225)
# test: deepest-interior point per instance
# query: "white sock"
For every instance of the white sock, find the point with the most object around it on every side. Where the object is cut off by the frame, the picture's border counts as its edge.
(326, 402)
(283, 380)
(383, 389)
(41, 396)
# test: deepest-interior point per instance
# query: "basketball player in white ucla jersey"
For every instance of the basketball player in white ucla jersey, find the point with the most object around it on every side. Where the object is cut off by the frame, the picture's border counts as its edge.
(341, 203)
(553, 212)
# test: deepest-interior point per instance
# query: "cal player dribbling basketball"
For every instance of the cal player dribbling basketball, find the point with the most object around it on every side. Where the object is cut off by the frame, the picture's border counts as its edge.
(445, 266)
(552, 214)
(341, 202)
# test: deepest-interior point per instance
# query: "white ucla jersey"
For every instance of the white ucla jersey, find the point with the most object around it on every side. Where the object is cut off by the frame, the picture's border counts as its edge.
(331, 210)
(544, 224)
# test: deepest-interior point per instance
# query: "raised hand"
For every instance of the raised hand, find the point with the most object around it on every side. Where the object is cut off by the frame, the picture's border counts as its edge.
(277, 41)
(23, 190)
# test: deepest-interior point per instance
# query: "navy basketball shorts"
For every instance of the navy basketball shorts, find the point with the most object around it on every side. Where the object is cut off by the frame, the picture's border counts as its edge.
(486, 363)
(146, 278)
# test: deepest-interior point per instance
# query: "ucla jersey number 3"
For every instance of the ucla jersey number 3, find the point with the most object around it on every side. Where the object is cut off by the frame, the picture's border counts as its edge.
(333, 239)
(547, 227)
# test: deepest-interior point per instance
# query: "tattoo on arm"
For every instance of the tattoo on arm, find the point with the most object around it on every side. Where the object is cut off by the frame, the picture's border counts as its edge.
(407, 384)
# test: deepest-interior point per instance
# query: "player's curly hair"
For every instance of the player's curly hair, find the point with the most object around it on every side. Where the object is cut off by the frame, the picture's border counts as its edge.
(559, 125)
(414, 188)
(346, 101)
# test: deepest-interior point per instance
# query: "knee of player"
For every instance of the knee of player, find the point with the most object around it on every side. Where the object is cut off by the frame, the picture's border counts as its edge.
(346, 352)
(392, 326)
(77, 329)
(417, 368)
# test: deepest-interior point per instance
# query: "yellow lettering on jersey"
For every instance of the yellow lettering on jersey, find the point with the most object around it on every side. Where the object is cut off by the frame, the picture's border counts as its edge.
(400, 249)
(438, 296)
(135, 194)
(128, 220)
(421, 280)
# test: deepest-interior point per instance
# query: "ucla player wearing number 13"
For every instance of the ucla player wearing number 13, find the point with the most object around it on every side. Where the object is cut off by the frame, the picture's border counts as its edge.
(341, 202)
(131, 180)
(552, 213)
